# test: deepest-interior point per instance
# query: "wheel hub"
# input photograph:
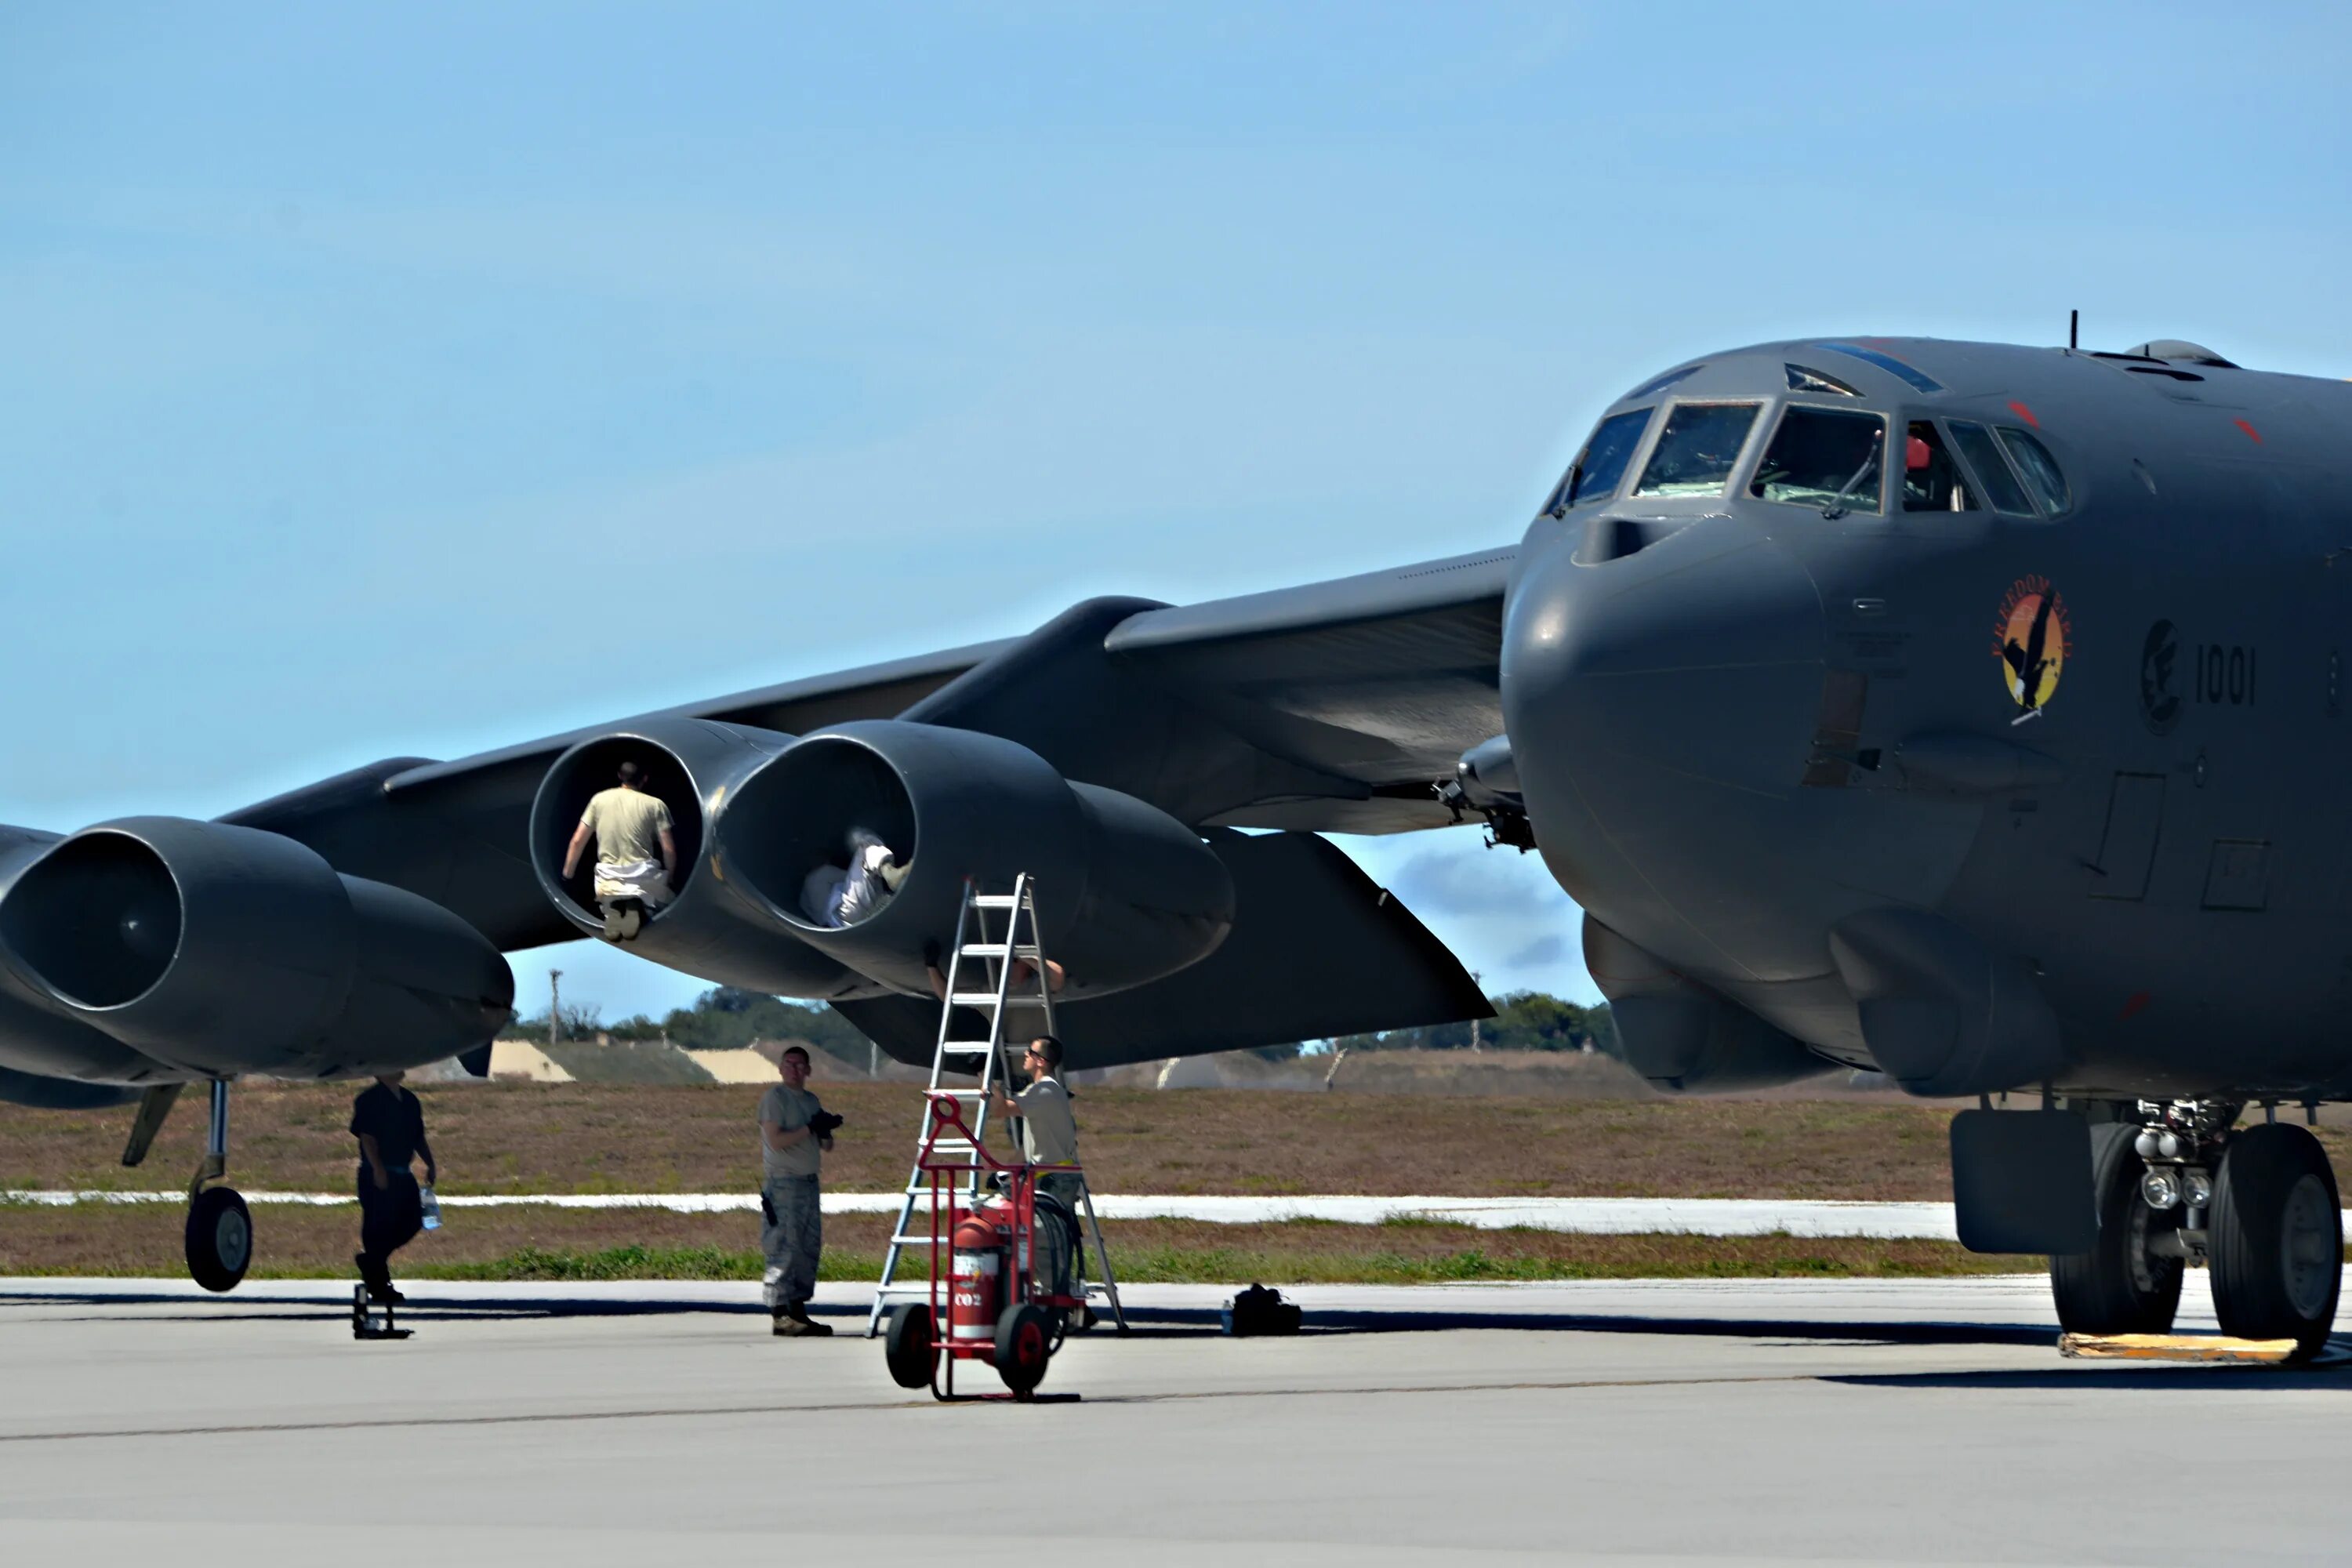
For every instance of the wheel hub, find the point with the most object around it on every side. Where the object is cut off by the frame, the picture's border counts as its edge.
(2309, 1258)
(232, 1238)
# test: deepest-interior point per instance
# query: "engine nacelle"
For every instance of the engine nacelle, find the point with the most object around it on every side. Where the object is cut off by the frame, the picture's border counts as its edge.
(1682, 1036)
(1127, 893)
(216, 949)
(714, 926)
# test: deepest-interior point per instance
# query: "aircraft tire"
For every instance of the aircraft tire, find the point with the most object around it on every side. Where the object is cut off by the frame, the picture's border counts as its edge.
(2120, 1286)
(219, 1239)
(2277, 1238)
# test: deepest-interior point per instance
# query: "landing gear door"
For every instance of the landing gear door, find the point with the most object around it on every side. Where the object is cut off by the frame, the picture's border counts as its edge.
(2127, 848)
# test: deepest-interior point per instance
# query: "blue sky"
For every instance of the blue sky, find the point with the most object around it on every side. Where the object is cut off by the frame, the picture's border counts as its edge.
(359, 366)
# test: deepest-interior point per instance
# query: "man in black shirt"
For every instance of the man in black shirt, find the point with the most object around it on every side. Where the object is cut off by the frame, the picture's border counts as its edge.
(390, 1125)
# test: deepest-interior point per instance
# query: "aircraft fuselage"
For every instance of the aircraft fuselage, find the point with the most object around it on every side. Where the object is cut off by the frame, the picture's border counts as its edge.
(2080, 702)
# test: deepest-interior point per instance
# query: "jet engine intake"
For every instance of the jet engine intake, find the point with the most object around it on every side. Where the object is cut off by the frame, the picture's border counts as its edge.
(713, 925)
(217, 950)
(1127, 893)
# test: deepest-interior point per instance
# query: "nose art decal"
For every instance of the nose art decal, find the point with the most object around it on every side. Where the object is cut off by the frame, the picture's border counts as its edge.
(2033, 638)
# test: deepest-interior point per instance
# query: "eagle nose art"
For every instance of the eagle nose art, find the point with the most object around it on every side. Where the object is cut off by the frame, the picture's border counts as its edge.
(1660, 703)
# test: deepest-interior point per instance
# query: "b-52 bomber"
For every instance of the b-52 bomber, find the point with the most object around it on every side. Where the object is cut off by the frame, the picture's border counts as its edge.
(1967, 712)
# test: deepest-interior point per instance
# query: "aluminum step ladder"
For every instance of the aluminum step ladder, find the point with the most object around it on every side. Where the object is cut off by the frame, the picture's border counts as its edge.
(984, 962)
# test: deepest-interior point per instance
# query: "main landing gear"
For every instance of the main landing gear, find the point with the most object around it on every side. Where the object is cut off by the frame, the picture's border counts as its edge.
(2177, 1185)
(219, 1239)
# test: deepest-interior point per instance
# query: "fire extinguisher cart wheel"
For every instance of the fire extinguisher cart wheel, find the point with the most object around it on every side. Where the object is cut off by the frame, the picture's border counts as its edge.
(909, 1346)
(1024, 1346)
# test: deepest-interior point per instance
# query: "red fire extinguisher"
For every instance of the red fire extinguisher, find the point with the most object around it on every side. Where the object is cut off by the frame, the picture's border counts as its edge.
(976, 1285)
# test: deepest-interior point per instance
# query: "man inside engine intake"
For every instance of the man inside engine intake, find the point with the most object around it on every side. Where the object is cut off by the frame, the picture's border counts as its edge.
(795, 1132)
(834, 898)
(636, 853)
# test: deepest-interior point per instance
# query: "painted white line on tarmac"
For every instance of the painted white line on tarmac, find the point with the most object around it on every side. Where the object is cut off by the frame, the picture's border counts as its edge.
(1592, 1216)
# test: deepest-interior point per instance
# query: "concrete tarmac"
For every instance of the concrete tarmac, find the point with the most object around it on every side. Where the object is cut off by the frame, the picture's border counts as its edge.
(1660, 1423)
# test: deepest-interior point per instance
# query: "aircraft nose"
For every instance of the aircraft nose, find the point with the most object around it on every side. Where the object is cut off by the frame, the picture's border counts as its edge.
(1659, 704)
(1702, 653)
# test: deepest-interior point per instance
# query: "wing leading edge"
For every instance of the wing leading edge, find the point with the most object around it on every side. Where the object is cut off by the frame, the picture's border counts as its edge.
(1330, 706)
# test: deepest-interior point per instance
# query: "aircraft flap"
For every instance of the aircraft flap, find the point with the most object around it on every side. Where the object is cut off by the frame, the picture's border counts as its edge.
(1318, 949)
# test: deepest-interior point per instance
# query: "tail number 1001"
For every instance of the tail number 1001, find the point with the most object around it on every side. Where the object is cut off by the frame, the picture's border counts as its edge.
(2225, 674)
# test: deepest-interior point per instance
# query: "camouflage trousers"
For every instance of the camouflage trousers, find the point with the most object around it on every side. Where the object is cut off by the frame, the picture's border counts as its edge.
(792, 1234)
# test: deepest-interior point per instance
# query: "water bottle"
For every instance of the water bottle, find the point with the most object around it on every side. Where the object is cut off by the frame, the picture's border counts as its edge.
(430, 1206)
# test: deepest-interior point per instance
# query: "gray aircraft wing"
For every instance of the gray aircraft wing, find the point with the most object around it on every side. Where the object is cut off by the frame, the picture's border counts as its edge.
(458, 832)
(1331, 706)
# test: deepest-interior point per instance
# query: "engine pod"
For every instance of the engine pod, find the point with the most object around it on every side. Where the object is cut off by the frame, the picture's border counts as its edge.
(219, 950)
(714, 926)
(1126, 893)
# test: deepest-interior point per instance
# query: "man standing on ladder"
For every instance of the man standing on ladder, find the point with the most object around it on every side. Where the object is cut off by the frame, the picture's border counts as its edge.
(794, 1131)
(1049, 1136)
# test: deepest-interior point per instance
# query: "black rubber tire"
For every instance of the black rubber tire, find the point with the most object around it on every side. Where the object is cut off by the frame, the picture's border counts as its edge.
(219, 1239)
(2119, 1287)
(906, 1339)
(1024, 1340)
(2275, 1238)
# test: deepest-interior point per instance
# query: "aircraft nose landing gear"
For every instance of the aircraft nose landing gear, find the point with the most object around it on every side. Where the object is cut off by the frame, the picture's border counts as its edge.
(2276, 1242)
(220, 1227)
(2258, 1205)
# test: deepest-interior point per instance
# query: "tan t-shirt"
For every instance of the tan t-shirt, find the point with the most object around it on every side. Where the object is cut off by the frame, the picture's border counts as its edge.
(789, 1108)
(627, 823)
(1048, 1134)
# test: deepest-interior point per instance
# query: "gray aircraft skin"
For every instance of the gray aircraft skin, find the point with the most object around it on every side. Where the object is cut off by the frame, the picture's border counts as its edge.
(1966, 712)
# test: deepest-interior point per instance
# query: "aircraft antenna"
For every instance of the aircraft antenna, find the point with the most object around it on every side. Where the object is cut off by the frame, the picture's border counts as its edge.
(2073, 330)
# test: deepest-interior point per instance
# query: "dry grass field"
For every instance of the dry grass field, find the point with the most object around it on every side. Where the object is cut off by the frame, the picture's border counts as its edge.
(589, 1138)
(518, 1139)
(526, 1243)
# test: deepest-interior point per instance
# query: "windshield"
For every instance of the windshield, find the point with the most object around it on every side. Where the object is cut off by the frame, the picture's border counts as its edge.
(1933, 479)
(1976, 444)
(1697, 448)
(1821, 454)
(2039, 469)
(1600, 466)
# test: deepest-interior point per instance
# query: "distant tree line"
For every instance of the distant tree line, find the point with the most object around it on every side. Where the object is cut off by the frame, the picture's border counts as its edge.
(724, 1018)
(1523, 1021)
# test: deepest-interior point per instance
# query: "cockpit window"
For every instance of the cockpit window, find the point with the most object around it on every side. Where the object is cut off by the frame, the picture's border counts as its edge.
(1803, 380)
(1983, 455)
(1933, 479)
(1824, 458)
(1697, 449)
(1600, 466)
(2041, 470)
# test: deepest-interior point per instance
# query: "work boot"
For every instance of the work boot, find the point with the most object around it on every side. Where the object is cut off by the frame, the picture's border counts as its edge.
(808, 1325)
(378, 1282)
(784, 1326)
